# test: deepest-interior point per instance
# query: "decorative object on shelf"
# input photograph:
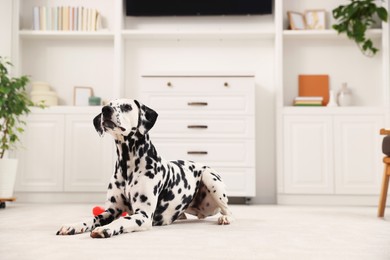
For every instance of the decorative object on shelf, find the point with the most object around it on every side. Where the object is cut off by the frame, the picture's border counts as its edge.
(94, 101)
(296, 20)
(344, 97)
(41, 93)
(332, 99)
(66, 18)
(81, 95)
(314, 86)
(315, 19)
(308, 101)
(14, 106)
(355, 18)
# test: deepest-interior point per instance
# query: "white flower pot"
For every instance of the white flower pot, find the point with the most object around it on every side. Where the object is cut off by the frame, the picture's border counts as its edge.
(8, 168)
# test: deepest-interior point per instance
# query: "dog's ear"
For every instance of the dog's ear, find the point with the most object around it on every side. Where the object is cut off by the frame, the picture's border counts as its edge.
(147, 118)
(97, 122)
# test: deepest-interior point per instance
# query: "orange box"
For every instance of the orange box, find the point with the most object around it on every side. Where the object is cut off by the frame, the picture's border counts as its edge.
(314, 86)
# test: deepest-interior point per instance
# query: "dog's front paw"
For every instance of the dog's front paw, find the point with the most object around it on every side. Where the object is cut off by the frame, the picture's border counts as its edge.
(101, 232)
(72, 229)
(65, 230)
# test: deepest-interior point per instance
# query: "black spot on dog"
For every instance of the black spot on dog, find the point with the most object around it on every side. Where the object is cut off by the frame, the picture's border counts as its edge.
(186, 200)
(113, 200)
(124, 160)
(169, 196)
(135, 197)
(143, 198)
(159, 210)
(149, 174)
(216, 177)
(175, 216)
(126, 108)
(139, 222)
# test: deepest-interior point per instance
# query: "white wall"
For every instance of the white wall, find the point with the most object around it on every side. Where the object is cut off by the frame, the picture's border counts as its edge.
(5, 28)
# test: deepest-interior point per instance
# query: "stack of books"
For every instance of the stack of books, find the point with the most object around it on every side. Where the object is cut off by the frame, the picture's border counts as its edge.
(308, 101)
(66, 18)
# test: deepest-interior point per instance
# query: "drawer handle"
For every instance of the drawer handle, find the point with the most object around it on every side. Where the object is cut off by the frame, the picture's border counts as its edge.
(169, 84)
(201, 104)
(197, 152)
(197, 126)
(226, 84)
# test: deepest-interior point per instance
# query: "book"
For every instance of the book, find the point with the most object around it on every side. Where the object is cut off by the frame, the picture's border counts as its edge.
(314, 85)
(42, 18)
(308, 105)
(36, 18)
(309, 98)
(66, 18)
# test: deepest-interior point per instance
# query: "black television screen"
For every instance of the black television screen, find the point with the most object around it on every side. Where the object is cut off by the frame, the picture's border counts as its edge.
(197, 7)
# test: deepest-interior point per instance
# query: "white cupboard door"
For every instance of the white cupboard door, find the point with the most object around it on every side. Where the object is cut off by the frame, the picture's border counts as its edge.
(358, 156)
(41, 154)
(308, 163)
(88, 157)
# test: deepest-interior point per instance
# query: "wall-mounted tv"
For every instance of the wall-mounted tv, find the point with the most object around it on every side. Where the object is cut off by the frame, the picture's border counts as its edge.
(197, 7)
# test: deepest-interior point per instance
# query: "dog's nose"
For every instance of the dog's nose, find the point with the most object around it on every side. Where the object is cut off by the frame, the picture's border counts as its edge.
(107, 111)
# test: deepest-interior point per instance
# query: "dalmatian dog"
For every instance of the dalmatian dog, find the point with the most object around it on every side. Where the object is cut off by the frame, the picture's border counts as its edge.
(151, 190)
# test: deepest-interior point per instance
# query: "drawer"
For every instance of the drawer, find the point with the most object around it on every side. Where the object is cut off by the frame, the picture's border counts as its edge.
(222, 153)
(241, 103)
(240, 182)
(198, 84)
(204, 127)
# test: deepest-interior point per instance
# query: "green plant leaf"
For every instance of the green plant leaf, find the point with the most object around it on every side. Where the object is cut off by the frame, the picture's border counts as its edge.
(355, 18)
(382, 14)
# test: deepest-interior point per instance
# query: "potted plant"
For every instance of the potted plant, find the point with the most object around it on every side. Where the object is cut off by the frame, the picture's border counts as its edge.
(14, 105)
(355, 18)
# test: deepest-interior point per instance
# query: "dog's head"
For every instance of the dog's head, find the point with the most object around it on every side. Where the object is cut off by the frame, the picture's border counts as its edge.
(122, 116)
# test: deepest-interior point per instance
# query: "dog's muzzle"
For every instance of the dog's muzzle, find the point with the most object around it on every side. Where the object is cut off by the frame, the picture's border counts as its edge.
(107, 113)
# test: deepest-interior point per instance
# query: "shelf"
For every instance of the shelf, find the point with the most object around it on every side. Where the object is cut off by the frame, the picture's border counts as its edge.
(323, 34)
(323, 110)
(211, 35)
(67, 110)
(73, 35)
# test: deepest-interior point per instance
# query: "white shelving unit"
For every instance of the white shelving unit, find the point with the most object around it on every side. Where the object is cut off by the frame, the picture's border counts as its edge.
(331, 154)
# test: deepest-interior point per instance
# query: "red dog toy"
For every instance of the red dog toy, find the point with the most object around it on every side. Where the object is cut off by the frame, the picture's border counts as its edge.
(99, 210)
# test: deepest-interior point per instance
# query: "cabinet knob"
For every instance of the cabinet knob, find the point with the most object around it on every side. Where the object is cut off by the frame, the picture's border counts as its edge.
(226, 84)
(169, 84)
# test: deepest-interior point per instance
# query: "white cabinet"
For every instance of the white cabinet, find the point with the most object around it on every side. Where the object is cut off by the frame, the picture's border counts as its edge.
(62, 153)
(358, 153)
(88, 158)
(308, 154)
(41, 158)
(207, 119)
(332, 154)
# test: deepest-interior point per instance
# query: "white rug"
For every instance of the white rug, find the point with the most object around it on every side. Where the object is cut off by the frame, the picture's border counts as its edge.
(27, 231)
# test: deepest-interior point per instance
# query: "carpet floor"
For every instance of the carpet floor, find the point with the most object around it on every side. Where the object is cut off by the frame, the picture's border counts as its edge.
(27, 231)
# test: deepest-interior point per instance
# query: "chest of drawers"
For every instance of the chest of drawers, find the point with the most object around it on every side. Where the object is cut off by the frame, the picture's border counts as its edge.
(207, 119)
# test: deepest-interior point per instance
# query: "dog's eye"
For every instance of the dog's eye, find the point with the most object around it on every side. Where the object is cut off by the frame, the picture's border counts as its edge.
(126, 108)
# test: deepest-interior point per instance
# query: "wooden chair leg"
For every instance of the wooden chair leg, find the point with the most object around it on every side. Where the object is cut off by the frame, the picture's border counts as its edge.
(383, 195)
